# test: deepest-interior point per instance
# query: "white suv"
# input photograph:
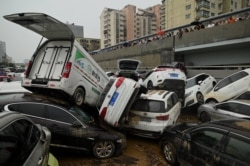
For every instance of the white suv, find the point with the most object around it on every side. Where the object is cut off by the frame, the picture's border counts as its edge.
(152, 112)
(198, 86)
(229, 87)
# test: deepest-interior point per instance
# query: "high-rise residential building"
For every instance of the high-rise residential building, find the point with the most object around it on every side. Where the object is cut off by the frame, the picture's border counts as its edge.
(112, 26)
(177, 13)
(118, 26)
(129, 12)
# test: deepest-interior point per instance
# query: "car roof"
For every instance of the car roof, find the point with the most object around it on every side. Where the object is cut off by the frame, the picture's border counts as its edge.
(32, 97)
(240, 126)
(6, 117)
(156, 94)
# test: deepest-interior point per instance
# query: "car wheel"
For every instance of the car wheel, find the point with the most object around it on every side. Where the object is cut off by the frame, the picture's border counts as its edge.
(104, 149)
(169, 153)
(79, 96)
(200, 98)
(211, 101)
(205, 117)
(150, 85)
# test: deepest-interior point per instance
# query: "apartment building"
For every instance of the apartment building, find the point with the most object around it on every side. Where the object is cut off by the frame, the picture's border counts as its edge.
(177, 13)
(112, 27)
(118, 26)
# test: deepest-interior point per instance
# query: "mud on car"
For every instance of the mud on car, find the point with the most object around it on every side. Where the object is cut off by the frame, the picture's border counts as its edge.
(71, 126)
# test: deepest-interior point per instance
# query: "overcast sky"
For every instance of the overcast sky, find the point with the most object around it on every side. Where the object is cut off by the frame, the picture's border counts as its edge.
(21, 42)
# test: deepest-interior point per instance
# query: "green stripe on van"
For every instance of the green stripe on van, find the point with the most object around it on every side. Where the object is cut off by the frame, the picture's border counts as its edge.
(95, 90)
(79, 55)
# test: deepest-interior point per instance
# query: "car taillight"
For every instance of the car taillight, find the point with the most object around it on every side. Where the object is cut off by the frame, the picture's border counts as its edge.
(119, 82)
(27, 71)
(103, 113)
(164, 117)
(66, 70)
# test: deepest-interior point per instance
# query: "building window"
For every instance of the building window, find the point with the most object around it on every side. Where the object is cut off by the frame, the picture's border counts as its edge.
(188, 7)
(212, 5)
(188, 16)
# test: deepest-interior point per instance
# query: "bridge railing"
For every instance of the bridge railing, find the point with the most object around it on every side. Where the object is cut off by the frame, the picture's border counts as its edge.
(217, 20)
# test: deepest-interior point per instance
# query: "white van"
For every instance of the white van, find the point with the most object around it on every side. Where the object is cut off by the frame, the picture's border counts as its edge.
(60, 64)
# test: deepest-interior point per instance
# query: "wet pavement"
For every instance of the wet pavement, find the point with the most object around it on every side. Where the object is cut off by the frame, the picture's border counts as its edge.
(139, 152)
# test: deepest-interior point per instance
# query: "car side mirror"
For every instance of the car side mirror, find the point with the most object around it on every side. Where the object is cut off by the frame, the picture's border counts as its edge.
(76, 124)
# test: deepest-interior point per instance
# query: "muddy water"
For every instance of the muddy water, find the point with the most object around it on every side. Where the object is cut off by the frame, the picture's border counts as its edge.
(140, 152)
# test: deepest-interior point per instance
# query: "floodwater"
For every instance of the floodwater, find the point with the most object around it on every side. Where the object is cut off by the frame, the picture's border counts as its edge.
(139, 152)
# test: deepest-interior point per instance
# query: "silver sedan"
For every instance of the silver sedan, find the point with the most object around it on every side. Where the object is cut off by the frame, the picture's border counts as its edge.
(225, 110)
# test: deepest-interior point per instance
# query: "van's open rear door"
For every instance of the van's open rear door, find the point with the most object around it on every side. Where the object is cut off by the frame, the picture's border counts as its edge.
(42, 24)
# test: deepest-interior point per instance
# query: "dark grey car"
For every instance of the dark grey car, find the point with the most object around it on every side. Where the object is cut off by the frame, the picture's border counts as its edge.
(223, 143)
(22, 142)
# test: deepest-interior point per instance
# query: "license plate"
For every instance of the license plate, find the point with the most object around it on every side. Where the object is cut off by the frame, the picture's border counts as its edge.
(114, 98)
(145, 119)
(173, 75)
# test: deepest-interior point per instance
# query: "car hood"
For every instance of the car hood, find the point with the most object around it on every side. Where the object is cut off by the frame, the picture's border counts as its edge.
(128, 64)
(42, 24)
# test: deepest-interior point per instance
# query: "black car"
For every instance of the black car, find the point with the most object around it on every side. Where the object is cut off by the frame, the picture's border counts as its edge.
(224, 143)
(71, 127)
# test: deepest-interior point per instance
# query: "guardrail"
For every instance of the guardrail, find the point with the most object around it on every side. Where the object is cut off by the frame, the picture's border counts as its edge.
(217, 20)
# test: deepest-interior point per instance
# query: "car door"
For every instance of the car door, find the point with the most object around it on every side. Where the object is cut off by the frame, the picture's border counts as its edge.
(224, 90)
(240, 82)
(65, 128)
(174, 111)
(236, 152)
(204, 146)
(225, 111)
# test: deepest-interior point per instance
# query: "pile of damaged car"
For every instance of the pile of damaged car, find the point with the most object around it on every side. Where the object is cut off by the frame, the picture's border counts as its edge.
(70, 99)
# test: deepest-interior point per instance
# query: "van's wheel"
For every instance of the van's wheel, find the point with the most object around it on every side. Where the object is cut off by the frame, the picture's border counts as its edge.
(104, 149)
(79, 96)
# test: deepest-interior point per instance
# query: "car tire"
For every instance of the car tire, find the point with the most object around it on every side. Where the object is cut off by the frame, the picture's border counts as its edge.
(104, 149)
(79, 96)
(150, 84)
(200, 98)
(205, 117)
(169, 153)
(211, 101)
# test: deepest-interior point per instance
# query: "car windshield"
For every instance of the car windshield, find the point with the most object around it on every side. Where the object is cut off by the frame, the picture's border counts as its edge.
(148, 106)
(83, 116)
(190, 83)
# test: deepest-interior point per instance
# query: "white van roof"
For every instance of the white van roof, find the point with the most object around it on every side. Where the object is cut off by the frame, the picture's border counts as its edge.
(42, 24)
